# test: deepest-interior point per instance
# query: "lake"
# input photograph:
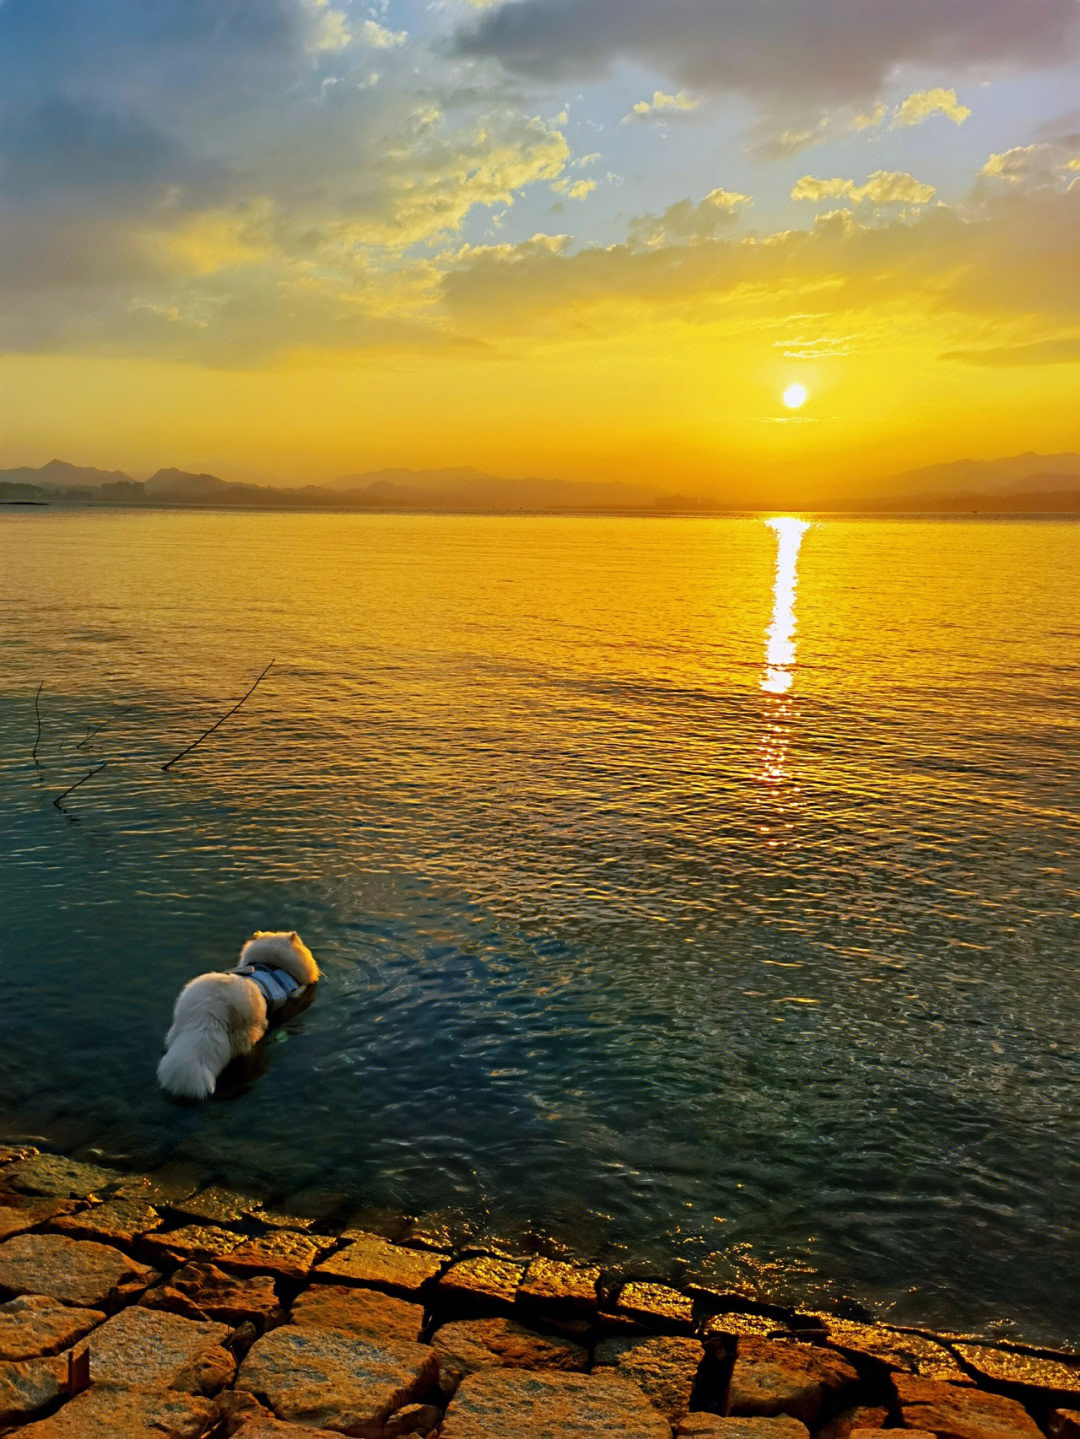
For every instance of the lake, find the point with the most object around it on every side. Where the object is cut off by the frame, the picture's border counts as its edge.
(696, 894)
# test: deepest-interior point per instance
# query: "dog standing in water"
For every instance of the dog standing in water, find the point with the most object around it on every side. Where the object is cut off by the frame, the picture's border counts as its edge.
(220, 1016)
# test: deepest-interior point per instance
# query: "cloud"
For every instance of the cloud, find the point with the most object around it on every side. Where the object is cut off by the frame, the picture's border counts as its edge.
(686, 222)
(574, 189)
(661, 104)
(1030, 165)
(883, 188)
(377, 37)
(924, 103)
(1063, 351)
(802, 48)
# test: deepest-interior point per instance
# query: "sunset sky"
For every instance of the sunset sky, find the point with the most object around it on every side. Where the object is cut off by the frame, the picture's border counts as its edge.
(597, 239)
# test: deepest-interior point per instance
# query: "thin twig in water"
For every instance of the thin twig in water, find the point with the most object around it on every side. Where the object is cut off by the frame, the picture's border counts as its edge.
(91, 733)
(89, 775)
(37, 713)
(222, 720)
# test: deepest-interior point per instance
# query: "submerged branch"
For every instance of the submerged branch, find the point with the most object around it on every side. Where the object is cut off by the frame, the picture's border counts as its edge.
(88, 775)
(222, 720)
(104, 725)
(37, 713)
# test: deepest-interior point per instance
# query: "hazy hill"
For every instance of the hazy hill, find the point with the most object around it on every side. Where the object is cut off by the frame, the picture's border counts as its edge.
(473, 490)
(1015, 474)
(59, 475)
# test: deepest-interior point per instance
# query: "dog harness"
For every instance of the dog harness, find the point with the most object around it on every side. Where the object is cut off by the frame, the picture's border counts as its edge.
(278, 985)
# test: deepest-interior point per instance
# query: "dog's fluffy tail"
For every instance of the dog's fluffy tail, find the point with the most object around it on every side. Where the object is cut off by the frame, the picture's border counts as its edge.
(193, 1061)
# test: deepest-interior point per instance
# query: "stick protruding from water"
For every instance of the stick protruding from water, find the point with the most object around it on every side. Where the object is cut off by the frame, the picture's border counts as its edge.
(222, 720)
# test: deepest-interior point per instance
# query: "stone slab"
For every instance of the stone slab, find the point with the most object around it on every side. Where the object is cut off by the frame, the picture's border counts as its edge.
(467, 1346)
(152, 1349)
(737, 1326)
(20, 1218)
(203, 1291)
(519, 1404)
(413, 1419)
(895, 1349)
(192, 1241)
(107, 1411)
(9, 1153)
(655, 1304)
(370, 1259)
(55, 1177)
(27, 1386)
(117, 1221)
(359, 1311)
(82, 1272)
(862, 1416)
(955, 1412)
(285, 1253)
(776, 1376)
(483, 1278)
(1064, 1424)
(332, 1380)
(665, 1368)
(714, 1426)
(277, 1429)
(33, 1325)
(552, 1285)
(215, 1205)
(1007, 1366)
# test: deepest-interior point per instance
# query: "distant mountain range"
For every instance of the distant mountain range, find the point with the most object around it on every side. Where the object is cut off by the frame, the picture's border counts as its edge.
(1021, 483)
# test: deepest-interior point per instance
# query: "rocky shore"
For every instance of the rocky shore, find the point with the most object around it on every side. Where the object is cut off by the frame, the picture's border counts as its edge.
(161, 1306)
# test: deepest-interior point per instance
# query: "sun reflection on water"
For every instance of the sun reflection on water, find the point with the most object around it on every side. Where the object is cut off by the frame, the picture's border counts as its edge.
(778, 673)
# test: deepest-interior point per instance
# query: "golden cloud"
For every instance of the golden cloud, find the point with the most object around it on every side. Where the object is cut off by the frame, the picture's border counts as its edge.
(924, 103)
(884, 187)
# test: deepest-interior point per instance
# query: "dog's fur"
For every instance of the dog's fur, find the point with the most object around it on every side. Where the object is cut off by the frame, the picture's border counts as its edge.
(218, 1017)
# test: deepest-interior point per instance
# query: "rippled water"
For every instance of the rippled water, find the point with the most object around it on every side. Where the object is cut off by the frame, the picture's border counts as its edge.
(700, 894)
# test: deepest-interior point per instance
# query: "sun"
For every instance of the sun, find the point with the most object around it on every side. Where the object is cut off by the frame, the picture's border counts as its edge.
(795, 396)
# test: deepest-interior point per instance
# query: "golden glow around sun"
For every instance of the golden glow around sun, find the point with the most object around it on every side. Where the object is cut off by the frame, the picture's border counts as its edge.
(794, 396)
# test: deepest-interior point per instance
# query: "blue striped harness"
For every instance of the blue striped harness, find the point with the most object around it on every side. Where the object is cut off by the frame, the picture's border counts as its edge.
(278, 985)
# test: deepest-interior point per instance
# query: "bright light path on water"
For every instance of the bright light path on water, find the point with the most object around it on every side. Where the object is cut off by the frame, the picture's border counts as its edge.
(780, 636)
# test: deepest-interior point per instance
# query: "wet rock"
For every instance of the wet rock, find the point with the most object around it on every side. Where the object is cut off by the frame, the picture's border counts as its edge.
(1007, 1366)
(193, 1241)
(413, 1419)
(106, 1411)
(285, 1253)
(864, 1416)
(955, 1412)
(33, 1325)
(375, 1219)
(483, 1278)
(22, 1217)
(470, 1345)
(27, 1386)
(203, 1291)
(776, 1376)
(151, 1349)
(216, 1206)
(895, 1349)
(359, 1311)
(82, 1272)
(519, 1404)
(664, 1367)
(168, 1185)
(439, 1230)
(713, 1426)
(1064, 1424)
(372, 1260)
(118, 1221)
(9, 1153)
(332, 1380)
(556, 1287)
(656, 1304)
(735, 1326)
(57, 1178)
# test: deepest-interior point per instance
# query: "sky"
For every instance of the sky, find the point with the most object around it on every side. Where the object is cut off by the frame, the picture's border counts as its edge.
(285, 240)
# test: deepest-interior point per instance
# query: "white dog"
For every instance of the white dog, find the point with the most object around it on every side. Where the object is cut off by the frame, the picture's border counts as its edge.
(220, 1016)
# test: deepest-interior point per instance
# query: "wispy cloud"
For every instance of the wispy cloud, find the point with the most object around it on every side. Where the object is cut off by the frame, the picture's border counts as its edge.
(662, 105)
(883, 188)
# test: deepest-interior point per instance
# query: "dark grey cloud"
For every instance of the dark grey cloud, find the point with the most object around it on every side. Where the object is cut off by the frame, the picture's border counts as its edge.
(819, 50)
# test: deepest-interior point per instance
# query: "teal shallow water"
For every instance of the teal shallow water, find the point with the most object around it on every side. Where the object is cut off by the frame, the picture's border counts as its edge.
(637, 930)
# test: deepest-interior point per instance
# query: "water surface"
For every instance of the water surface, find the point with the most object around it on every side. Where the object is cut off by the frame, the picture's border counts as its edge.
(693, 893)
